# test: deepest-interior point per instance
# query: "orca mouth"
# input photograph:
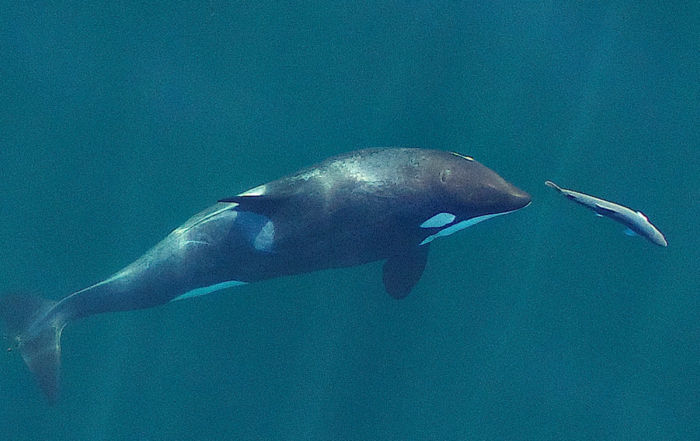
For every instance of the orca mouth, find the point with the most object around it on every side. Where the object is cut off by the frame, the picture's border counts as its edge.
(519, 199)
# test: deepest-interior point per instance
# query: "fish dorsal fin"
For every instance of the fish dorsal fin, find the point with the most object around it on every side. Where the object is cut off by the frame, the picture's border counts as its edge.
(403, 271)
(599, 209)
(265, 205)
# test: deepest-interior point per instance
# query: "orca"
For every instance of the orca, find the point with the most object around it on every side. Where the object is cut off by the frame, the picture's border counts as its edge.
(359, 207)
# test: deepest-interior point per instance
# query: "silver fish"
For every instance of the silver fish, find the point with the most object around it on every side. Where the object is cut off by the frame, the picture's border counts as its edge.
(635, 221)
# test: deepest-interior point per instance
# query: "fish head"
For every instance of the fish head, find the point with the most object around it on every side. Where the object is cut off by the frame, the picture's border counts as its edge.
(650, 231)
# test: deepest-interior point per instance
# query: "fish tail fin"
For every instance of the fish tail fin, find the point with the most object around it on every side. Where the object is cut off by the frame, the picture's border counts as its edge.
(553, 185)
(36, 333)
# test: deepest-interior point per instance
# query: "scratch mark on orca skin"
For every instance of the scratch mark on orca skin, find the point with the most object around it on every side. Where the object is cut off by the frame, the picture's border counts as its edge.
(196, 242)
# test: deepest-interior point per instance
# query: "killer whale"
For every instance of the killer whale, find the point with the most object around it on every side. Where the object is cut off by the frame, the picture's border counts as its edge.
(362, 206)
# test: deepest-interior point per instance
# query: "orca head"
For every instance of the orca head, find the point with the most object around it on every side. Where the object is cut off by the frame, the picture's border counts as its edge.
(473, 189)
(467, 192)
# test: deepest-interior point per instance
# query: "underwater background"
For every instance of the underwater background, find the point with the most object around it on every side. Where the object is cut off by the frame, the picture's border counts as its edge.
(119, 120)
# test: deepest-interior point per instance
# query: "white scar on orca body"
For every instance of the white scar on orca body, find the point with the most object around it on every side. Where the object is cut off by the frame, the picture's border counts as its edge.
(201, 219)
(208, 289)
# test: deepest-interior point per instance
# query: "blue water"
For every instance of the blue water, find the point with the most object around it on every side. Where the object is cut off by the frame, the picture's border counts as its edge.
(120, 120)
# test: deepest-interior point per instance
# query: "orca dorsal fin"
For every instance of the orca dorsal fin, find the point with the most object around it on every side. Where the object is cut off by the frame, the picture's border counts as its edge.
(403, 271)
(264, 205)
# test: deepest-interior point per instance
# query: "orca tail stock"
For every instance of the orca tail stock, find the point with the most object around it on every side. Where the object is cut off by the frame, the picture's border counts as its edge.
(36, 333)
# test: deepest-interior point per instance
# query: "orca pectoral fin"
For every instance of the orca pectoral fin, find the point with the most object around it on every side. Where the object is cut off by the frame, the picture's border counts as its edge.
(629, 232)
(260, 204)
(402, 272)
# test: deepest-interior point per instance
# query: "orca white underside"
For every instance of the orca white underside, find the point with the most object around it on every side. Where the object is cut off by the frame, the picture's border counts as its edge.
(460, 226)
(439, 220)
(265, 238)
